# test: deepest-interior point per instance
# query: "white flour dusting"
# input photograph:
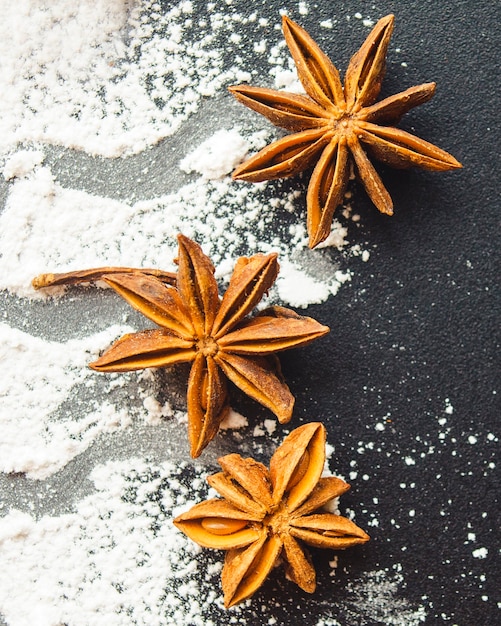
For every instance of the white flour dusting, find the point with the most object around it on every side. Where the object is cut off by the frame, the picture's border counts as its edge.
(95, 70)
(36, 439)
(112, 77)
(117, 560)
(22, 163)
(46, 227)
(376, 597)
(217, 156)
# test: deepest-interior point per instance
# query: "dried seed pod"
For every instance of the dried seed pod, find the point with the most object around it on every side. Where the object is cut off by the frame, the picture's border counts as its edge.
(213, 334)
(267, 514)
(337, 128)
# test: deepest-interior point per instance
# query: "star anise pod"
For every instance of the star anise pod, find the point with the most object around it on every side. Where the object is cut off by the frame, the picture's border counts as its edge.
(215, 335)
(265, 514)
(335, 126)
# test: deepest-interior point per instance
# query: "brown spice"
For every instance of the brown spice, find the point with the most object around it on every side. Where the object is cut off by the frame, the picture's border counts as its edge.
(335, 126)
(215, 335)
(270, 513)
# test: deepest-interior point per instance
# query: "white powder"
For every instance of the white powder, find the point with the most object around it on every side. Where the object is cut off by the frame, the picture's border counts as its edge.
(376, 597)
(293, 283)
(36, 438)
(270, 425)
(233, 421)
(46, 227)
(22, 163)
(116, 561)
(217, 156)
(480, 553)
(449, 409)
(72, 60)
(375, 600)
(95, 69)
(113, 78)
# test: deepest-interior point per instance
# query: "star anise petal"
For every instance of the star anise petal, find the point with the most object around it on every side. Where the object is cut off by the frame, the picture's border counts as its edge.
(158, 302)
(326, 530)
(285, 157)
(208, 403)
(366, 69)
(197, 286)
(246, 569)
(401, 149)
(252, 476)
(148, 348)
(371, 180)
(219, 525)
(260, 379)
(299, 567)
(251, 279)
(327, 488)
(97, 273)
(271, 333)
(286, 110)
(235, 493)
(297, 464)
(318, 75)
(393, 108)
(326, 189)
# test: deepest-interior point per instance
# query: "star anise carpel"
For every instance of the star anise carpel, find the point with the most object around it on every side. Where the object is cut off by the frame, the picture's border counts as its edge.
(266, 514)
(216, 335)
(338, 126)
(43, 281)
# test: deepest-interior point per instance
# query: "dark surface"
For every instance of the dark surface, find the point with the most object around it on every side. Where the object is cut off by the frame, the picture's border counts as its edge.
(416, 331)
(420, 324)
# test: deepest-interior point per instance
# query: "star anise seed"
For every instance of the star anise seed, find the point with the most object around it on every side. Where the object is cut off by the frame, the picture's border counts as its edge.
(215, 335)
(335, 127)
(267, 514)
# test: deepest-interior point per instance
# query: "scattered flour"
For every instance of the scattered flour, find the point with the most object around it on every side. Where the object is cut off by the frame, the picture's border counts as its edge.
(37, 438)
(95, 68)
(294, 283)
(227, 219)
(480, 553)
(112, 78)
(233, 421)
(375, 600)
(217, 156)
(22, 163)
(116, 561)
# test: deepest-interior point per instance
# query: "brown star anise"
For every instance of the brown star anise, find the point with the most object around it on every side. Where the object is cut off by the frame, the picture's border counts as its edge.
(214, 334)
(335, 126)
(266, 514)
